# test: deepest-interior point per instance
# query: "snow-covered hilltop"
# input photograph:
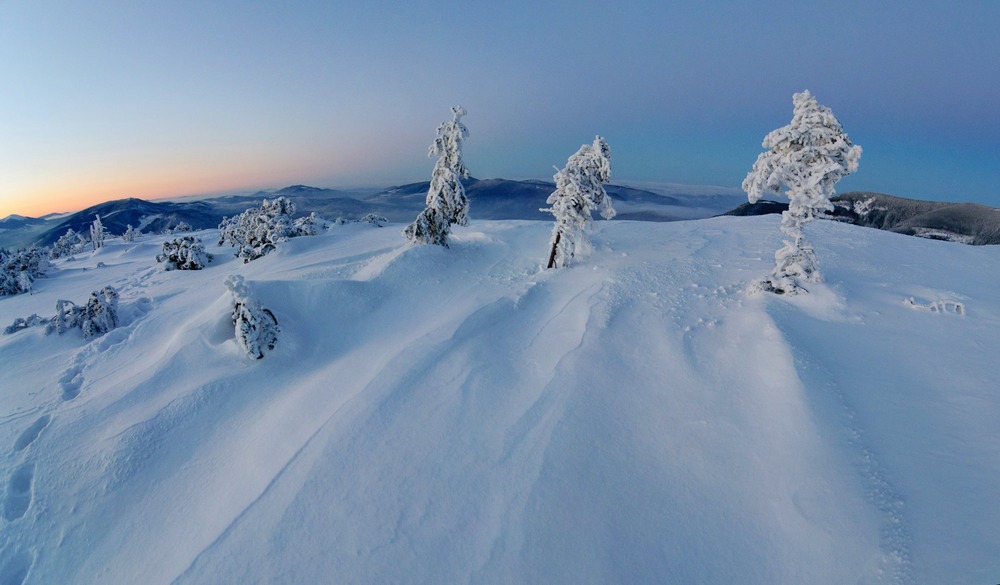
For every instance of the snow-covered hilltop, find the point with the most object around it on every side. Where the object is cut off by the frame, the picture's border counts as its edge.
(433, 415)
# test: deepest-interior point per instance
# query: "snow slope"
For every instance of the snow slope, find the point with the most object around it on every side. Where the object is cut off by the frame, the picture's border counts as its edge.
(459, 415)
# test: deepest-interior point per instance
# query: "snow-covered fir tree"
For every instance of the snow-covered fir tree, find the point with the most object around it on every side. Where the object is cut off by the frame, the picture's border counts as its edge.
(256, 328)
(446, 201)
(97, 233)
(100, 315)
(258, 230)
(182, 226)
(184, 253)
(806, 157)
(579, 191)
(129, 234)
(20, 268)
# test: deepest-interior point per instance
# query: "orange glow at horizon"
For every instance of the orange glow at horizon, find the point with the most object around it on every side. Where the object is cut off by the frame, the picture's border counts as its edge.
(68, 190)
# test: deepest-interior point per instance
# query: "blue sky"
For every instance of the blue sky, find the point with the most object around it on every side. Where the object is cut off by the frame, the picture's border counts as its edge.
(109, 99)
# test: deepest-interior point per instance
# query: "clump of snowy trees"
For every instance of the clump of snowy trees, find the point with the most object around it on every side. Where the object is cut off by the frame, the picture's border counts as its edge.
(256, 328)
(184, 253)
(579, 191)
(807, 157)
(20, 268)
(447, 204)
(68, 244)
(258, 230)
(98, 316)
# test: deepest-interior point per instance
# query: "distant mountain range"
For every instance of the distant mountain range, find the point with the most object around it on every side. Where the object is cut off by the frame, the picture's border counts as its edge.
(508, 199)
(489, 199)
(968, 223)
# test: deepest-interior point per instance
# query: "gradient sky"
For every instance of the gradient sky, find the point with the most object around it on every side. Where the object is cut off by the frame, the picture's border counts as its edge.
(122, 98)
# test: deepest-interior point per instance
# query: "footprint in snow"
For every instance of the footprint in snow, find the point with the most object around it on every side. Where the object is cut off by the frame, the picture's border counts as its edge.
(18, 497)
(14, 567)
(71, 381)
(31, 433)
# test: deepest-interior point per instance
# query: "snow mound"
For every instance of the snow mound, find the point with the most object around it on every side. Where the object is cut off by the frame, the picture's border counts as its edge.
(461, 415)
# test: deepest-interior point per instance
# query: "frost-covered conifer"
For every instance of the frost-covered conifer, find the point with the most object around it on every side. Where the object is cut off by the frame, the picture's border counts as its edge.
(807, 157)
(97, 233)
(100, 315)
(184, 253)
(446, 200)
(129, 234)
(19, 269)
(256, 328)
(68, 244)
(259, 230)
(579, 191)
(182, 226)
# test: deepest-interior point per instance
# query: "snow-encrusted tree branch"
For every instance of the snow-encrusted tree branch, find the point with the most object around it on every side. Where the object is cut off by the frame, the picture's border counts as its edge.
(256, 328)
(446, 200)
(807, 158)
(579, 191)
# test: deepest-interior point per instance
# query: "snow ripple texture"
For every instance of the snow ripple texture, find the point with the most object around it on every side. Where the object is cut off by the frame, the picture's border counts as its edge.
(461, 415)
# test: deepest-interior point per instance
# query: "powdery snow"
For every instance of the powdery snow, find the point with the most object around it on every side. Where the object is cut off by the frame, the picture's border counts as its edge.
(433, 415)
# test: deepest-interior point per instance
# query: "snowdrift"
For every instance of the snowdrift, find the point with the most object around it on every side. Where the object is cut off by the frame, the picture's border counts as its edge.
(460, 415)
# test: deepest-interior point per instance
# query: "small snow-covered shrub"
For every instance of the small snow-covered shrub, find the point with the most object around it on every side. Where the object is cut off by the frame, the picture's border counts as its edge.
(376, 220)
(259, 230)
(182, 226)
(579, 191)
(184, 253)
(129, 234)
(97, 317)
(256, 328)
(20, 268)
(446, 200)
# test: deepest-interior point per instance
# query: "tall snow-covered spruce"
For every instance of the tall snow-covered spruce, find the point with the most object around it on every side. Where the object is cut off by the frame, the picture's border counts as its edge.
(446, 200)
(808, 157)
(579, 190)
(97, 233)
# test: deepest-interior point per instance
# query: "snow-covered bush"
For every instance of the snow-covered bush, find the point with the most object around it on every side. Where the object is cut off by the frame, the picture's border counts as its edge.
(375, 220)
(68, 244)
(182, 226)
(579, 191)
(20, 268)
(446, 200)
(97, 233)
(256, 328)
(184, 253)
(258, 230)
(807, 157)
(97, 317)
(129, 234)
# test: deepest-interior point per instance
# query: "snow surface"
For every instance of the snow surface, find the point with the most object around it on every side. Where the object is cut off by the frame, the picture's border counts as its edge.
(460, 415)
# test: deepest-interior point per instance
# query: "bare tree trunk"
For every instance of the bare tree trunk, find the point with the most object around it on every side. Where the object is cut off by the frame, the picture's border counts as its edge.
(552, 255)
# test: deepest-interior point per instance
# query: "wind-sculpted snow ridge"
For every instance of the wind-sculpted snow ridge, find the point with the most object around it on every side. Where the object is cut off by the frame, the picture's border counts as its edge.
(464, 416)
